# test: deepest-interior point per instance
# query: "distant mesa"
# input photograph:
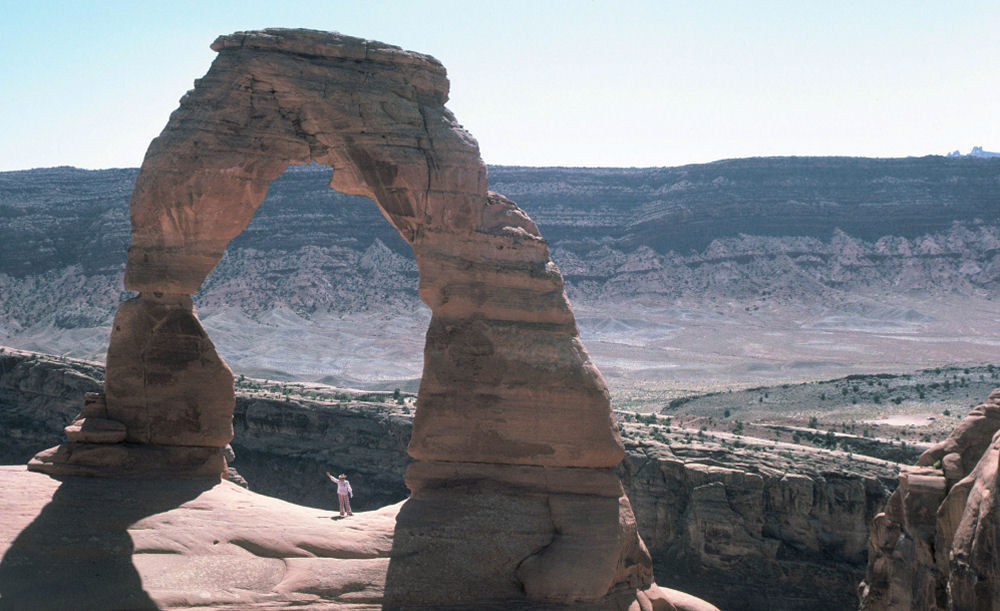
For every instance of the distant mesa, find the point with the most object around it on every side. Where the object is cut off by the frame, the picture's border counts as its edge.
(977, 151)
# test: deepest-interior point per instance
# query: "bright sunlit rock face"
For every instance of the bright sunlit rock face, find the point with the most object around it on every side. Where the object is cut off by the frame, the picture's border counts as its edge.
(513, 496)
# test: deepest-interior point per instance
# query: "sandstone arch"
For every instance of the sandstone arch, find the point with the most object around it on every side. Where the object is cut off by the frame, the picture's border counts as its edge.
(512, 419)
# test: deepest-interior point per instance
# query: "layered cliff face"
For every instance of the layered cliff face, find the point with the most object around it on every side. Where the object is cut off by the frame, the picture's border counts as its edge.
(800, 228)
(737, 523)
(40, 395)
(758, 526)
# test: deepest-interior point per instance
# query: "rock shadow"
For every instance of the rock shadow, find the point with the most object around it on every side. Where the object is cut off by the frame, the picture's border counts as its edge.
(77, 553)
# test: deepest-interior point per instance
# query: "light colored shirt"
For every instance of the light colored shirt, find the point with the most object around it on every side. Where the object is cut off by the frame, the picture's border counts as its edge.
(343, 486)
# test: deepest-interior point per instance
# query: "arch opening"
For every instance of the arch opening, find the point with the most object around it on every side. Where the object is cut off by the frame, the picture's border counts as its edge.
(347, 312)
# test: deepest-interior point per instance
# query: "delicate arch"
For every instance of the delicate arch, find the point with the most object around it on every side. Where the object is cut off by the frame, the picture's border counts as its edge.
(512, 419)
(504, 368)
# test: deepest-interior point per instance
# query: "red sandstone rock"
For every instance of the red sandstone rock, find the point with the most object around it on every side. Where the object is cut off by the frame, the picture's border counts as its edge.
(130, 461)
(95, 430)
(485, 272)
(164, 379)
(171, 544)
(936, 545)
(513, 500)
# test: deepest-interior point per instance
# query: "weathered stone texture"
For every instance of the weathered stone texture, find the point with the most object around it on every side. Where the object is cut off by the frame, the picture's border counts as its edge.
(753, 529)
(164, 380)
(936, 545)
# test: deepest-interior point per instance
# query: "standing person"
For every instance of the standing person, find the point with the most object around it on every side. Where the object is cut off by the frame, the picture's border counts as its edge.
(344, 493)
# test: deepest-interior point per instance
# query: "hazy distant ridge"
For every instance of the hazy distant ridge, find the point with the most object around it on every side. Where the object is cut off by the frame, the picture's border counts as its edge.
(797, 227)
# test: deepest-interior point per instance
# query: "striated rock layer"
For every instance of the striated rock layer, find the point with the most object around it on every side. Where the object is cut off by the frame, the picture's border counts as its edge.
(513, 493)
(937, 544)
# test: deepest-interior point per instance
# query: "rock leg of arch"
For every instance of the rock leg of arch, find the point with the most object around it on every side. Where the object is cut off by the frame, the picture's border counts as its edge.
(514, 498)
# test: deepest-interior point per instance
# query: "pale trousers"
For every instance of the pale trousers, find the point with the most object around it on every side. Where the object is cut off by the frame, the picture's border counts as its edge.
(345, 504)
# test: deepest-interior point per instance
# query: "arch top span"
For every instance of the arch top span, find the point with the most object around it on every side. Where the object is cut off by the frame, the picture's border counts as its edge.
(373, 112)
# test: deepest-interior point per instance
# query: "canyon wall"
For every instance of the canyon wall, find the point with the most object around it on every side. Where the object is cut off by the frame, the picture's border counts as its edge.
(757, 527)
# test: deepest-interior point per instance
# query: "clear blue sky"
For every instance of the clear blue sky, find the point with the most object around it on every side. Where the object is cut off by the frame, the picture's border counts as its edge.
(542, 82)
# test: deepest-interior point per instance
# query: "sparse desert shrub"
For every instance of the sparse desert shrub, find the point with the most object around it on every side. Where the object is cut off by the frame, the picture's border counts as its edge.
(830, 440)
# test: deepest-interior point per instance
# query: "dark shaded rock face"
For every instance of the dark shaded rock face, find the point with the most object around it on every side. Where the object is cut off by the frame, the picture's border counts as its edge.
(742, 529)
(283, 449)
(755, 529)
(39, 395)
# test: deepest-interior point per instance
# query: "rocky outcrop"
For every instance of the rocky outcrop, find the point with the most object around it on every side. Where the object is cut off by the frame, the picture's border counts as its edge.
(94, 544)
(513, 419)
(172, 544)
(935, 546)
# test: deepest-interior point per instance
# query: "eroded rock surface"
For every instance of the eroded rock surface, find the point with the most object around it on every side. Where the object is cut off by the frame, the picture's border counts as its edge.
(513, 418)
(756, 527)
(936, 544)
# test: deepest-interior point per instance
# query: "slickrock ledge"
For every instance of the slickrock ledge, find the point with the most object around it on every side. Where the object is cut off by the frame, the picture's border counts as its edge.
(508, 390)
(99, 543)
(936, 544)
